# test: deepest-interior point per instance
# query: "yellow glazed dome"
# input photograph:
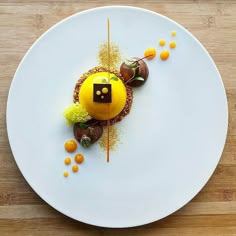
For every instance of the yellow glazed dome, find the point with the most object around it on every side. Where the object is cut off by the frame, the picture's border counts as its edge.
(103, 111)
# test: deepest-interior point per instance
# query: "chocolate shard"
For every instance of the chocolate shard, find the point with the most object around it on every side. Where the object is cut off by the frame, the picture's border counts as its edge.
(102, 93)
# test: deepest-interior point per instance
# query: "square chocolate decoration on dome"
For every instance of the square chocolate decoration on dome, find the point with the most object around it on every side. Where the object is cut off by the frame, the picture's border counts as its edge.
(102, 93)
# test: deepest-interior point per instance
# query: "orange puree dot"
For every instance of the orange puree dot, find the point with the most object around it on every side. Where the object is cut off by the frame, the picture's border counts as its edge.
(172, 44)
(79, 158)
(162, 42)
(164, 55)
(173, 33)
(67, 161)
(75, 168)
(150, 53)
(98, 92)
(105, 90)
(70, 145)
(66, 173)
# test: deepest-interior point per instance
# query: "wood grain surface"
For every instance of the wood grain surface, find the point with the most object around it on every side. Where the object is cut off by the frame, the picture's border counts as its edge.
(211, 212)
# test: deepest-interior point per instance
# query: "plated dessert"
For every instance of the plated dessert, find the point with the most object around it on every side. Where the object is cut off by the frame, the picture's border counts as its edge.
(101, 96)
(104, 94)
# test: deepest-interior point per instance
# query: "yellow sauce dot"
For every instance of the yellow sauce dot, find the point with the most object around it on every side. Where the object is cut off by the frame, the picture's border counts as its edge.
(104, 90)
(172, 44)
(164, 55)
(162, 42)
(70, 145)
(79, 158)
(102, 97)
(173, 33)
(67, 161)
(75, 168)
(150, 53)
(66, 173)
(98, 92)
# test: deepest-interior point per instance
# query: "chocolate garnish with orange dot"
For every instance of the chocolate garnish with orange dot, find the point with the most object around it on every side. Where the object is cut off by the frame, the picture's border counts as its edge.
(102, 93)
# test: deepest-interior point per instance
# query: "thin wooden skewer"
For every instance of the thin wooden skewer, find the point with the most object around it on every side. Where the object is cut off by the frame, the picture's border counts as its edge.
(108, 105)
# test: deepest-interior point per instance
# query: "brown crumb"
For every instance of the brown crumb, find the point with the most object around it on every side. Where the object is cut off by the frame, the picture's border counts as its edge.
(114, 139)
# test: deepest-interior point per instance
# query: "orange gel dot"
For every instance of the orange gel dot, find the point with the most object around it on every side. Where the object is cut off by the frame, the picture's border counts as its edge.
(98, 92)
(70, 145)
(164, 55)
(67, 161)
(173, 33)
(172, 44)
(150, 53)
(79, 158)
(104, 90)
(75, 168)
(66, 173)
(162, 42)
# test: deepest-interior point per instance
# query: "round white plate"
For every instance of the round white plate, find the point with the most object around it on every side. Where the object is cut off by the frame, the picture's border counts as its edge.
(170, 143)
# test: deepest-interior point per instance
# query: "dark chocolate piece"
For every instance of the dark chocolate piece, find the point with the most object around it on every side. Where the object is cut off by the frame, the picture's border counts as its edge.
(99, 95)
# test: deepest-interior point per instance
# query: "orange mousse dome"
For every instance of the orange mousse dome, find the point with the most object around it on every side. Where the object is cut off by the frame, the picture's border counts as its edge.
(103, 111)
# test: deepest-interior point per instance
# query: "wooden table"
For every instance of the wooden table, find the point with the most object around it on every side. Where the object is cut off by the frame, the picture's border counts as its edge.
(211, 212)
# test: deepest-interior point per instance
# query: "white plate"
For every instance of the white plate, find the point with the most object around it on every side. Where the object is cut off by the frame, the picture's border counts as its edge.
(170, 143)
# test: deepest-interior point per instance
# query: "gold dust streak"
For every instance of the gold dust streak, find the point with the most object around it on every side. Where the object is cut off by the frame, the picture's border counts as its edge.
(108, 66)
(114, 139)
(115, 54)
